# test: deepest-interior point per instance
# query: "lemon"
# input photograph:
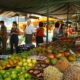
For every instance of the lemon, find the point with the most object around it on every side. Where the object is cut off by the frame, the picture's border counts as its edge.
(34, 61)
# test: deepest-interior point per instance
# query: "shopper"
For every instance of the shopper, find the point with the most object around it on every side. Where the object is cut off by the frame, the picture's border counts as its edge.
(29, 31)
(61, 30)
(14, 37)
(56, 31)
(3, 36)
(0, 39)
(39, 34)
(70, 30)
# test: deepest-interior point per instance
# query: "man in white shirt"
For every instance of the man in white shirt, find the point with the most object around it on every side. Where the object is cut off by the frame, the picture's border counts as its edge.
(29, 30)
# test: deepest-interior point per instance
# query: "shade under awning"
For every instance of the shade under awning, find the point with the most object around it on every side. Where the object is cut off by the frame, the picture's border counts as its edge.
(56, 7)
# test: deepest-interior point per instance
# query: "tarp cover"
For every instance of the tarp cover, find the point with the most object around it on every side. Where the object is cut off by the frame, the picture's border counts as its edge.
(56, 7)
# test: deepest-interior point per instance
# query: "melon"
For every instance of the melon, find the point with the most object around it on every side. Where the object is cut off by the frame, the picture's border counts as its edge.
(72, 72)
(62, 64)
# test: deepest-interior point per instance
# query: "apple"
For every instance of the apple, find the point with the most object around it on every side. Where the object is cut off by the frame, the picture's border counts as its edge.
(23, 69)
(50, 55)
(27, 76)
(13, 75)
(18, 68)
(27, 67)
(28, 60)
(2, 72)
(63, 53)
(20, 63)
(6, 74)
(34, 61)
(24, 60)
(59, 55)
(30, 64)
(22, 77)
(25, 64)
(8, 78)
(49, 51)
(67, 54)
(54, 61)
(47, 60)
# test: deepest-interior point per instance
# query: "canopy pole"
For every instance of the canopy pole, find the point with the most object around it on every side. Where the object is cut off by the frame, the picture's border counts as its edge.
(67, 19)
(76, 23)
(67, 25)
(18, 20)
(67, 16)
(47, 23)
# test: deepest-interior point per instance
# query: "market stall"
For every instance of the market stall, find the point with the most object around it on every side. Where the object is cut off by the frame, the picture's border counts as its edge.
(59, 60)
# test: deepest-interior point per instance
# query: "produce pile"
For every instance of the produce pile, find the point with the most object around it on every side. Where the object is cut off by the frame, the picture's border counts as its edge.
(69, 72)
(15, 68)
(52, 73)
(41, 63)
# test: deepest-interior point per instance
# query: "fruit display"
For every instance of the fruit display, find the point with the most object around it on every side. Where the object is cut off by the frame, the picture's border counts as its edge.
(15, 68)
(42, 63)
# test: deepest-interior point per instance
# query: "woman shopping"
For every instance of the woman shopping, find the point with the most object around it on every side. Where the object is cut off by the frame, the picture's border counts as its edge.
(14, 37)
(39, 34)
(56, 32)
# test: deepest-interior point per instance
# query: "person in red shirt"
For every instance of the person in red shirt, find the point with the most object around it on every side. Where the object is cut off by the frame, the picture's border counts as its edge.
(70, 30)
(39, 34)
